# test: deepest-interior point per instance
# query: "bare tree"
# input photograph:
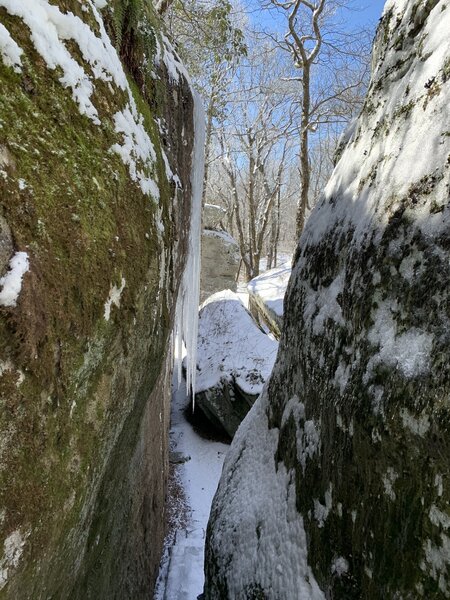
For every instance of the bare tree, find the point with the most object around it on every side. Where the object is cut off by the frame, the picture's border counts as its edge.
(254, 145)
(308, 37)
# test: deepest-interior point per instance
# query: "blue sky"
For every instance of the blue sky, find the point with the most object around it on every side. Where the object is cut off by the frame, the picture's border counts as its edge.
(366, 12)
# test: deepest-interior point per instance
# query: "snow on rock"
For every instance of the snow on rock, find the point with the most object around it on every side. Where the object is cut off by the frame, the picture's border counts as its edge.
(364, 359)
(10, 51)
(266, 547)
(12, 551)
(114, 298)
(50, 30)
(136, 146)
(234, 360)
(230, 345)
(165, 53)
(11, 283)
(267, 296)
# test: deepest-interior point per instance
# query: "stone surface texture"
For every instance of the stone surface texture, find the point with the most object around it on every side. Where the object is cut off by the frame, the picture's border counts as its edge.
(356, 415)
(219, 263)
(95, 189)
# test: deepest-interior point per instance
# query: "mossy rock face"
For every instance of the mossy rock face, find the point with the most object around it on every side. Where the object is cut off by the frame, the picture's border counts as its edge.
(84, 366)
(358, 401)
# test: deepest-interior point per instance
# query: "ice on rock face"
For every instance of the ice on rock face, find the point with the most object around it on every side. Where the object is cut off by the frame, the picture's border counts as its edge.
(186, 323)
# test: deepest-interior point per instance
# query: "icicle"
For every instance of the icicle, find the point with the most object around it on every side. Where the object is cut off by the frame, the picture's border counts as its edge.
(186, 320)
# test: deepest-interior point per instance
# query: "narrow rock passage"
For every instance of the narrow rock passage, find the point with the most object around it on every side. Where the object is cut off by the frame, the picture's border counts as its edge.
(181, 574)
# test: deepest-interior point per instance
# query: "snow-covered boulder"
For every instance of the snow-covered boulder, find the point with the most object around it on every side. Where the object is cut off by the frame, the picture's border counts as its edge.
(219, 263)
(266, 296)
(337, 484)
(234, 360)
(96, 139)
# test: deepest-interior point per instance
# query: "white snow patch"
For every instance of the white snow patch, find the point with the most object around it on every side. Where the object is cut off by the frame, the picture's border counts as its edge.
(438, 518)
(308, 442)
(409, 351)
(114, 298)
(165, 52)
(12, 281)
(100, 3)
(341, 376)
(6, 365)
(389, 479)
(223, 235)
(325, 301)
(135, 147)
(10, 51)
(418, 425)
(339, 566)
(438, 559)
(322, 511)
(12, 551)
(438, 482)
(295, 408)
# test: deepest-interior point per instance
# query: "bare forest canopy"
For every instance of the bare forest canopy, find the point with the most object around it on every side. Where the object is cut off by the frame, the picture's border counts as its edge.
(280, 81)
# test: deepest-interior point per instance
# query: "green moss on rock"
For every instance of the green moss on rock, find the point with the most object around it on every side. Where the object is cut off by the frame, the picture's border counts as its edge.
(84, 400)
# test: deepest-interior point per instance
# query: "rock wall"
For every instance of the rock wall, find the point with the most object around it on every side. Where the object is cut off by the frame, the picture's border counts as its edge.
(337, 484)
(220, 254)
(96, 134)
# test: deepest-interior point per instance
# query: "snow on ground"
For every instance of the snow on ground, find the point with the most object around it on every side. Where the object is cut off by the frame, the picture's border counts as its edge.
(271, 287)
(181, 576)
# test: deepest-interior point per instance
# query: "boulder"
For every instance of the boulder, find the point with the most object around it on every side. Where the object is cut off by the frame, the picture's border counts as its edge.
(213, 217)
(234, 360)
(219, 263)
(266, 297)
(93, 239)
(337, 483)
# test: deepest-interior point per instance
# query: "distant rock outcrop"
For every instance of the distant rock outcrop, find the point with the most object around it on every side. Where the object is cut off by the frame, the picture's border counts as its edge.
(96, 134)
(337, 484)
(266, 297)
(220, 255)
(234, 360)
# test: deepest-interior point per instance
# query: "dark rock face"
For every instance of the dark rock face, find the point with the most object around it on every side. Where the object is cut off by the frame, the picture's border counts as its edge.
(90, 157)
(356, 415)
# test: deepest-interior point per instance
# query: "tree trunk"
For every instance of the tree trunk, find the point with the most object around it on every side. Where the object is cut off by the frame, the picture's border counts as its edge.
(304, 151)
(208, 135)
